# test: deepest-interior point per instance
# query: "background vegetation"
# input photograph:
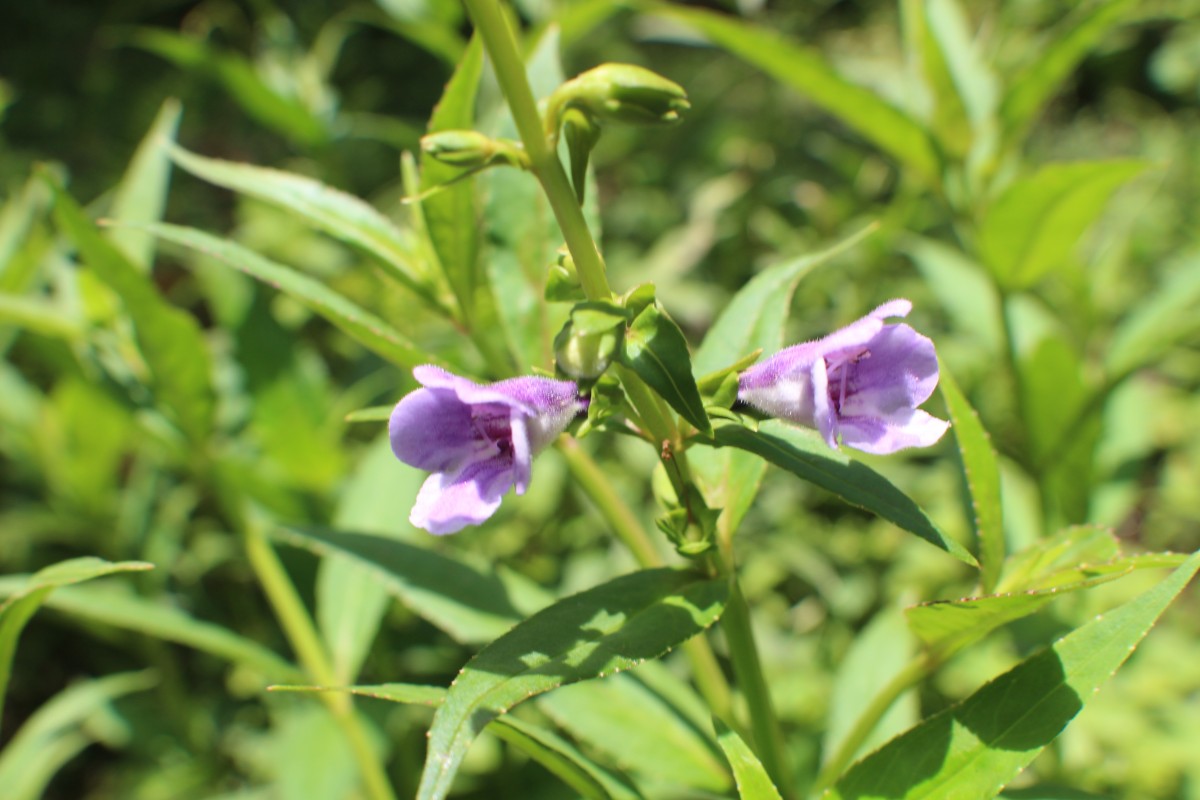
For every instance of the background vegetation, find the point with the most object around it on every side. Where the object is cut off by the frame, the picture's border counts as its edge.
(1065, 309)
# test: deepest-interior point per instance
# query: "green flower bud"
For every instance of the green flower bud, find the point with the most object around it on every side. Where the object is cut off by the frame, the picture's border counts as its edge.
(471, 150)
(588, 343)
(620, 93)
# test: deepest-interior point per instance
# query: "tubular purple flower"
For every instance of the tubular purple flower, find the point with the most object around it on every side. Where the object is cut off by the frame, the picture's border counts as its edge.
(859, 386)
(477, 440)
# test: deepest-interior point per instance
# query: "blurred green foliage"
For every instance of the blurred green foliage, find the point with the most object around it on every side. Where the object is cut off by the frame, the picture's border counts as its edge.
(1062, 298)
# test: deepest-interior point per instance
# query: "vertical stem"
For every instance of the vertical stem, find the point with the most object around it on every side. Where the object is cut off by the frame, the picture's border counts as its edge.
(501, 46)
(764, 724)
(300, 631)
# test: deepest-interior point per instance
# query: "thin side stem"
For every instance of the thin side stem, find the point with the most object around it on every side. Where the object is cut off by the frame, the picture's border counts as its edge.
(908, 677)
(764, 724)
(300, 631)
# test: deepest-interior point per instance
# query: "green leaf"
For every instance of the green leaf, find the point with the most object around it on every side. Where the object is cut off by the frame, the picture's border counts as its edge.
(142, 194)
(606, 629)
(1032, 228)
(286, 115)
(543, 745)
(755, 317)
(808, 72)
(973, 749)
(350, 603)
(170, 339)
(451, 216)
(753, 783)
(1157, 321)
(341, 215)
(982, 473)
(804, 454)
(965, 90)
(657, 351)
(19, 607)
(52, 735)
(639, 723)
(372, 414)
(361, 325)
(38, 316)
(1064, 48)
(879, 655)
(472, 602)
(122, 609)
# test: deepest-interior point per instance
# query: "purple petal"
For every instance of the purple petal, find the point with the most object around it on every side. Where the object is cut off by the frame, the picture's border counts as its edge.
(449, 502)
(899, 371)
(467, 390)
(905, 428)
(431, 429)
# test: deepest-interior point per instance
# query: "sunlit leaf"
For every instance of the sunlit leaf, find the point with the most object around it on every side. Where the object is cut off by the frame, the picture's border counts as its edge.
(753, 783)
(141, 195)
(973, 749)
(607, 629)
(1032, 228)
(657, 351)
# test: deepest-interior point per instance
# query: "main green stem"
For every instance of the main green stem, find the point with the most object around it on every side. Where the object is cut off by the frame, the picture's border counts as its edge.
(300, 631)
(501, 46)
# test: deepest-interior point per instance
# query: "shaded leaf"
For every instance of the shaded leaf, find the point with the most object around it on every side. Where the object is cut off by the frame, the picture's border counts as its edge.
(1157, 321)
(805, 455)
(169, 339)
(974, 748)
(361, 325)
(472, 602)
(451, 217)
(597, 632)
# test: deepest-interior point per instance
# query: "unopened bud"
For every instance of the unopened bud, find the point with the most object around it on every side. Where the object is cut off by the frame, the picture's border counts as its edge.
(471, 150)
(622, 93)
(588, 343)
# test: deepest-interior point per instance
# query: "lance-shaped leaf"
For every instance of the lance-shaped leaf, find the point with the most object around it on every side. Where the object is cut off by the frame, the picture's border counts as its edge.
(804, 454)
(540, 743)
(19, 607)
(595, 633)
(982, 473)
(753, 783)
(368, 329)
(332, 211)
(142, 194)
(472, 602)
(169, 339)
(657, 351)
(451, 216)
(1033, 226)
(808, 72)
(973, 749)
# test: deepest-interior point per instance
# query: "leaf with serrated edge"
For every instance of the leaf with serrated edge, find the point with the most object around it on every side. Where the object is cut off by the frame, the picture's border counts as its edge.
(982, 473)
(973, 749)
(595, 633)
(805, 455)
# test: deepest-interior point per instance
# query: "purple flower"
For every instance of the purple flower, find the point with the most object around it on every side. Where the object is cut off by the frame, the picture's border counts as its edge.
(478, 441)
(860, 385)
